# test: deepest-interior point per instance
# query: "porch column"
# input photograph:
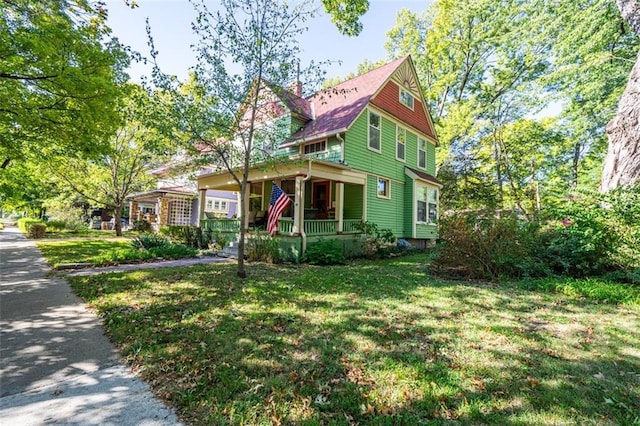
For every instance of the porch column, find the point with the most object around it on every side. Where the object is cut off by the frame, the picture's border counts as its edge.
(163, 214)
(298, 206)
(133, 212)
(202, 202)
(340, 205)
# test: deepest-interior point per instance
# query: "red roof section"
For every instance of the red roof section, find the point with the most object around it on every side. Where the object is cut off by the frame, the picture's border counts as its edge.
(337, 107)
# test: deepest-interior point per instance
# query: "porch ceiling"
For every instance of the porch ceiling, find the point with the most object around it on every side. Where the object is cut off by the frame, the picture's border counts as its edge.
(317, 169)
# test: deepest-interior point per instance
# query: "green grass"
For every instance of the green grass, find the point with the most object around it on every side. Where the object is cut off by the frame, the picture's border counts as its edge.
(379, 343)
(107, 251)
(80, 250)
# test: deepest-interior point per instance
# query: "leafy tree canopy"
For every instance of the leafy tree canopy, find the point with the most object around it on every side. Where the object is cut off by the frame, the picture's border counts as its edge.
(59, 78)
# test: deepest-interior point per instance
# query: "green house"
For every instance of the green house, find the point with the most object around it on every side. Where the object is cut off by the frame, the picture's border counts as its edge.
(363, 150)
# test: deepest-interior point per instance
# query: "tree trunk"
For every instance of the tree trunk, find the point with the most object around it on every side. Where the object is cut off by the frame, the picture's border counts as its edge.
(117, 216)
(622, 164)
(241, 248)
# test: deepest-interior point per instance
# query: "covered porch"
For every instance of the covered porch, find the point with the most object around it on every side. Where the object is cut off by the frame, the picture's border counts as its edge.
(327, 199)
(164, 206)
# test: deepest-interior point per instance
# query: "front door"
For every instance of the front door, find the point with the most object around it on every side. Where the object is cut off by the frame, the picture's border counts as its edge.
(321, 198)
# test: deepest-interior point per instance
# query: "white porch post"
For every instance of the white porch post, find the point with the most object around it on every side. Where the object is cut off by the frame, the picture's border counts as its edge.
(340, 205)
(298, 206)
(202, 202)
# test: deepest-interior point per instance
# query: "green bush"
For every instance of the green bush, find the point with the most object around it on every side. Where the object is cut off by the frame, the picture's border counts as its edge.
(56, 225)
(481, 245)
(141, 226)
(136, 255)
(37, 230)
(374, 239)
(262, 247)
(25, 223)
(325, 252)
(149, 240)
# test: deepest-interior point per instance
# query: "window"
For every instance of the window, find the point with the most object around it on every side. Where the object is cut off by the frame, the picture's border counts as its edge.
(401, 139)
(427, 205)
(422, 153)
(217, 205)
(315, 147)
(383, 190)
(406, 98)
(374, 131)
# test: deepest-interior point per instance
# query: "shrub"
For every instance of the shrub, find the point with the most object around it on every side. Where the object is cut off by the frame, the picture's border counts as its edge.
(149, 240)
(484, 246)
(25, 223)
(37, 230)
(325, 252)
(56, 225)
(262, 247)
(375, 239)
(173, 251)
(141, 226)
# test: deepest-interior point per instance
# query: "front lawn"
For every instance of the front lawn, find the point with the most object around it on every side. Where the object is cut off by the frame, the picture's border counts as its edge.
(80, 250)
(107, 251)
(371, 343)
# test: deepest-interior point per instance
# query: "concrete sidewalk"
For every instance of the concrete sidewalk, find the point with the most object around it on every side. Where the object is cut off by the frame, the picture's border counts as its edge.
(56, 365)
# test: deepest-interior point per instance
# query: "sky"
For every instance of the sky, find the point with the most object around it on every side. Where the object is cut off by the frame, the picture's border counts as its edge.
(170, 22)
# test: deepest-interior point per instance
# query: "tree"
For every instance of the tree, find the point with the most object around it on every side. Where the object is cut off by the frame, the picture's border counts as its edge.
(345, 14)
(622, 163)
(58, 81)
(134, 149)
(247, 54)
(477, 60)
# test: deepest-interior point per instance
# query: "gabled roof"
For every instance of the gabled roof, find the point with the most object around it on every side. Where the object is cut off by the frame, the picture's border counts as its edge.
(293, 102)
(337, 107)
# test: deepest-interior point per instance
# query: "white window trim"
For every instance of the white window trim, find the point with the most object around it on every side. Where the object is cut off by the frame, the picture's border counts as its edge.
(384, 197)
(213, 201)
(427, 187)
(326, 147)
(369, 112)
(426, 159)
(399, 128)
(400, 90)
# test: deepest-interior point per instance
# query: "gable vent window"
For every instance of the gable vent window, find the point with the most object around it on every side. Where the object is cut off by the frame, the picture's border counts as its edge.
(315, 147)
(406, 98)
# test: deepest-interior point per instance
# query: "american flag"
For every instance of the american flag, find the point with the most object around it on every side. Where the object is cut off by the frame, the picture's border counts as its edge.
(277, 204)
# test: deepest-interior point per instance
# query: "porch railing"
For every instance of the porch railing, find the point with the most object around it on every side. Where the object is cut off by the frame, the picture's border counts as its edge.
(313, 227)
(221, 225)
(349, 226)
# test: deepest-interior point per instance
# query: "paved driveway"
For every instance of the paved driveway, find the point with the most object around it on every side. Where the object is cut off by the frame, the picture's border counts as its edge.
(56, 365)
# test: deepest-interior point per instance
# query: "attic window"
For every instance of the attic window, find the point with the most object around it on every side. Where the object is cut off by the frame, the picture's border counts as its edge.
(406, 98)
(315, 147)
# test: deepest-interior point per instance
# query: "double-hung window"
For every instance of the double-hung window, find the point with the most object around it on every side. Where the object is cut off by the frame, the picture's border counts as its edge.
(427, 205)
(401, 141)
(406, 98)
(374, 131)
(422, 153)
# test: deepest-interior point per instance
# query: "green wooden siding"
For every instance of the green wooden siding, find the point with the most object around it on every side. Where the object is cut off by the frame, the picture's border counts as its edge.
(408, 207)
(358, 155)
(426, 231)
(386, 213)
(431, 159)
(352, 201)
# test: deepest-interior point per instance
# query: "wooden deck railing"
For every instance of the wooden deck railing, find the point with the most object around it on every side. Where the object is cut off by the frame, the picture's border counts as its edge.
(221, 225)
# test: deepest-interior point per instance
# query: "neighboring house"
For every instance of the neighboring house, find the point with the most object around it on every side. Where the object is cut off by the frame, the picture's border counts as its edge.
(175, 201)
(361, 151)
